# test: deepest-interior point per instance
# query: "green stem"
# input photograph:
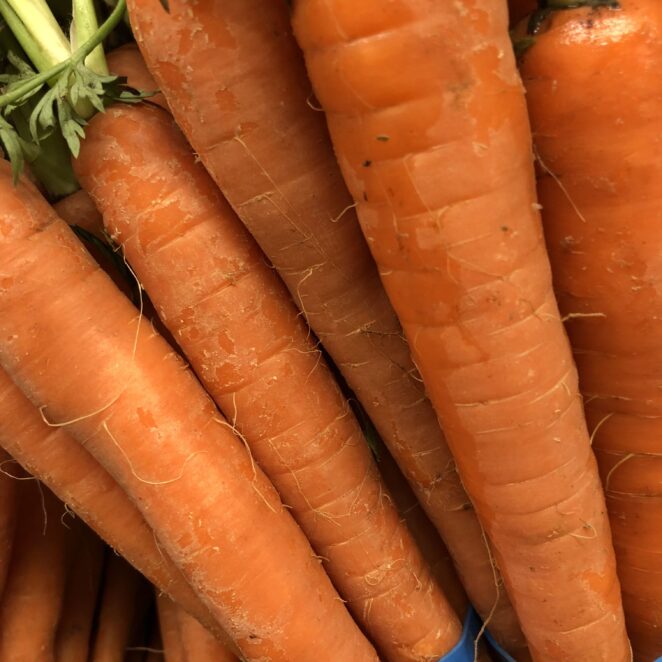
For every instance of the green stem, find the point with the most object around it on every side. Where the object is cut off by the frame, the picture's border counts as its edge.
(84, 26)
(81, 53)
(38, 21)
(29, 45)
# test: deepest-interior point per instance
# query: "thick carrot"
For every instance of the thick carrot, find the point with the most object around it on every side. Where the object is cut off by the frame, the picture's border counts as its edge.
(72, 642)
(120, 609)
(237, 86)
(129, 398)
(438, 157)
(595, 99)
(8, 490)
(32, 601)
(235, 321)
(198, 644)
(80, 481)
(173, 650)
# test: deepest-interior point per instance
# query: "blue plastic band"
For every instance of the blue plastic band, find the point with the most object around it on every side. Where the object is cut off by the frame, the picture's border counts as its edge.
(464, 649)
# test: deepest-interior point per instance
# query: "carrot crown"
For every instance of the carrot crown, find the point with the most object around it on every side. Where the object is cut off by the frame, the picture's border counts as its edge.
(52, 84)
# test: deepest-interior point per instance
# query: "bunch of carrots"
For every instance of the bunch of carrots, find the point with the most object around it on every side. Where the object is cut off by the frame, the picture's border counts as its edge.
(334, 321)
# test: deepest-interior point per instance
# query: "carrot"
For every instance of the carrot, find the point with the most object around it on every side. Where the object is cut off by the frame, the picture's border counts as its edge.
(519, 9)
(173, 650)
(120, 610)
(245, 339)
(447, 203)
(126, 61)
(237, 86)
(80, 481)
(8, 488)
(594, 92)
(198, 644)
(72, 643)
(433, 549)
(32, 600)
(83, 354)
(79, 209)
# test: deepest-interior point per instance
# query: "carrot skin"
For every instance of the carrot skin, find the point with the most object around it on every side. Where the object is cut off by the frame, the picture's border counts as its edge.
(426, 536)
(190, 477)
(76, 478)
(242, 97)
(120, 601)
(73, 638)
(448, 206)
(32, 601)
(595, 101)
(173, 650)
(237, 325)
(8, 503)
(200, 645)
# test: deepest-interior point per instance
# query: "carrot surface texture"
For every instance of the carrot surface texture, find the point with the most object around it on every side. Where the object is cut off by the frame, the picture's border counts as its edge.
(428, 119)
(31, 604)
(198, 644)
(236, 323)
(237, 86)
(167, 610)
(595, 98)
(83, 354)
(77, 478)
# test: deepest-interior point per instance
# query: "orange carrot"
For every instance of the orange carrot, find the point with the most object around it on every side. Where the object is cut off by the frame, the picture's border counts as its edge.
(198, 644)
(120, 610)
(126, 61)
(79, 209)
(8, 489)
(78, 479)
(32, 600)
(173, 650)
(433, 549)
(72, 643)
(245, 339)
(437, 155)
(595, 98)
(237, 86)
(129, 398)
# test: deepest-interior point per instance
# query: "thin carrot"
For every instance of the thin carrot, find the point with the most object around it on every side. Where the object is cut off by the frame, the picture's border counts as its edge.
(236, 323)
(120, 610)
(198, 644)
(519, 9)
(8, 489)
(32, 601)
(426, 536)
(79, 480)
(129, 398)
(237, 86)
(595, 98)
(79, 209)
(173, 650)
(448, 206)
(72, 642)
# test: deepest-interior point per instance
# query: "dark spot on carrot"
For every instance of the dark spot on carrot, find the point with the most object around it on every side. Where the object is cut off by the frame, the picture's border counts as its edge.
(504, 228)
(367, 163)
(383, 138)
(365, 196)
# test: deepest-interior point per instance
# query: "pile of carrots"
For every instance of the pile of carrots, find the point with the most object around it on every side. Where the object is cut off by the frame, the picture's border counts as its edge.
(348, 320)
